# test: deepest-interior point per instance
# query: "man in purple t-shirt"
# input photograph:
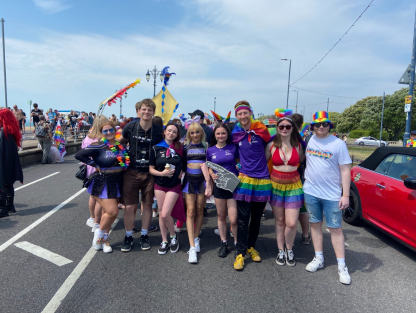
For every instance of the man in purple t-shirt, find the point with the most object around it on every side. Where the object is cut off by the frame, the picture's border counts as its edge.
(255, 188)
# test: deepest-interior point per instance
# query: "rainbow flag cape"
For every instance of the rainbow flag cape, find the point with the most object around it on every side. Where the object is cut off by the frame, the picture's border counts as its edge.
(58, 137)
(257, 127)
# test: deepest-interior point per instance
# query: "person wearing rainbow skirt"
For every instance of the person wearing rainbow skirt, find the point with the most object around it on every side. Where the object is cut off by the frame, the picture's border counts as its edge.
(412, 141)
(255, 188)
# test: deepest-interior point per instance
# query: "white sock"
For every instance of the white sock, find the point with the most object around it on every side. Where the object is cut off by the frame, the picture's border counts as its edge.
(100, 233)
(105, 236)
(341, 263)
(144, 232)
(91, 219)
(129, 233)
(96, 225)
(319, 255)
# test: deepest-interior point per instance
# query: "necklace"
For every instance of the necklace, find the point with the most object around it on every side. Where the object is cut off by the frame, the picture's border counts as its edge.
(119, 152)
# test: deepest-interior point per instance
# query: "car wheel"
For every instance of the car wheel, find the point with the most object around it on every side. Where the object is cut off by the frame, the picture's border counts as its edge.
(351, 215)
(361, 143)
(382, 144)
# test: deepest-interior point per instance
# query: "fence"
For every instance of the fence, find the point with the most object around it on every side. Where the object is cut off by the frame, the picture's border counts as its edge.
(75, 133)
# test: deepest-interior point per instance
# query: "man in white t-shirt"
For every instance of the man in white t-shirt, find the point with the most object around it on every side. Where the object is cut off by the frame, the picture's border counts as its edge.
(327, 169)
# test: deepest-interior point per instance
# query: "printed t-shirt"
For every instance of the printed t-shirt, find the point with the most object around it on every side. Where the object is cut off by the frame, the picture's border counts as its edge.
(224, 156)
(158, 159)
(253, 158)
(141, 141)
(36, 117)
(322, 174)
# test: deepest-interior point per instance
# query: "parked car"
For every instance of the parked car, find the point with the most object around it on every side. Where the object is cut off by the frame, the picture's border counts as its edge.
(370, 141)
(383, 193)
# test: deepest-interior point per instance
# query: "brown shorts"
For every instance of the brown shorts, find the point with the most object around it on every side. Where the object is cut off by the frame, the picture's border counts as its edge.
(133, 182)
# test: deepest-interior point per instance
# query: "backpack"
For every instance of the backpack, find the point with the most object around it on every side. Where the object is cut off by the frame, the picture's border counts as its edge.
(40, 131)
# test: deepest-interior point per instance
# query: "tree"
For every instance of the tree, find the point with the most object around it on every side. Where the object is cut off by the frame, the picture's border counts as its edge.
(334, 117)
(351, 117)
(371, 116)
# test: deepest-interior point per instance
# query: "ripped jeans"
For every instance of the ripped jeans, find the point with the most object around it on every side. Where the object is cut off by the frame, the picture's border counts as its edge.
(317, 208)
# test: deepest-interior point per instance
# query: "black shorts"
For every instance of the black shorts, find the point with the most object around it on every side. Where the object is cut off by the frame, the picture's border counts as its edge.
(220, 193)
(21, 124)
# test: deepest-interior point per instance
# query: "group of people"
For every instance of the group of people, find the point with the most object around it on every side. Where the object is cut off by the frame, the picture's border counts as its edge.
(145, 160)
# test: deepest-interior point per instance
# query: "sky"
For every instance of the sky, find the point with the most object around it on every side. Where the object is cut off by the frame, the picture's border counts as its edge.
(73, 54)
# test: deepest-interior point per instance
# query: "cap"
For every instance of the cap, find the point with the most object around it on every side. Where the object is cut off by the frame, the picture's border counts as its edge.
(413, 132)
(197, 112)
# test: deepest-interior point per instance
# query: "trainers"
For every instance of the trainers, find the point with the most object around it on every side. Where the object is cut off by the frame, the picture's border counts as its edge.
(106, 246)
(306, 240)
(290, 258)
(127, 244)
(90, 222)
(255, 255)
(344, 276)
(174, 245)
(192, 255)
(222, 253)
(164, 247)
(95, 227)
(144, 242)
(177, 229)
(155, 213)
(197, 244)
(152, 229)
(280, 259)
(216, 231)
(97, 243)
(239, 262)
(315, 265)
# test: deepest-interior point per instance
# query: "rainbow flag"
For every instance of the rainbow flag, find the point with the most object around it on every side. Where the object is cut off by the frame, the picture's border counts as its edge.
(227, 119)
(59, 140)
(217, 117)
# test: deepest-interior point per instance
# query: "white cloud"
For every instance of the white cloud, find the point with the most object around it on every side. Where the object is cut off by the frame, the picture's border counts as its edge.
(51, 6)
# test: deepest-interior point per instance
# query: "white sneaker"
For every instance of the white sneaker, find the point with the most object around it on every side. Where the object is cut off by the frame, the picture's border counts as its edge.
(155, 213)
(97, 243)
(106, 246)
(344, 276)
(39, 146)
(192, 255)
(216, 231)
(90, 222)
(197, 245)
(33, 137)
(95, 227)
(315, 265)
(20, 149)
(23, 136)
(177, 229)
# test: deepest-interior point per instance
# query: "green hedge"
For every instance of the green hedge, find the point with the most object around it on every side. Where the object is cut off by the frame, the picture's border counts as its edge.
(358, 133)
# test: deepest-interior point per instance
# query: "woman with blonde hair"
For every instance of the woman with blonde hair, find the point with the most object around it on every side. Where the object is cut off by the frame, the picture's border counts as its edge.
(94, 207)
(196, 185)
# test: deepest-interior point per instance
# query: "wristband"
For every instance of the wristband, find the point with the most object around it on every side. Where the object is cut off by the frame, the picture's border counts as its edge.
(239, 166)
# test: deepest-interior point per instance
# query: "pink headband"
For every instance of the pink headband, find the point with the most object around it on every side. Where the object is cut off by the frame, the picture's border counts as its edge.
(242, 107)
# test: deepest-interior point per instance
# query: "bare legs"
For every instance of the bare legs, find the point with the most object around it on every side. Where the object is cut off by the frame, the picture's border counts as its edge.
(194, 214)
(222, 205)
(166, 203)
(110, 211)
(285, 224)
(304, 223)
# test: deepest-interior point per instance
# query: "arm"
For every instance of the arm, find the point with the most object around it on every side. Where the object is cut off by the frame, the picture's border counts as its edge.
(346, 182)
(268, 151)
(166, 173)
(208, 190)
(212, 174)
(86, 155)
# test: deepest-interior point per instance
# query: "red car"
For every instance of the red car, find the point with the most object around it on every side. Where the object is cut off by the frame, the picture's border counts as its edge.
(383, 193)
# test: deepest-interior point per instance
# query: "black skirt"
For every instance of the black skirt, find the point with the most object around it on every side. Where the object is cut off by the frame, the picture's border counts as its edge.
(107, 186)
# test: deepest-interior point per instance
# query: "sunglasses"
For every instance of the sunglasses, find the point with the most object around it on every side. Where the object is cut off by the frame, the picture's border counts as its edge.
(196, 132)
(318, 125)
(288, 127)
(106, 131)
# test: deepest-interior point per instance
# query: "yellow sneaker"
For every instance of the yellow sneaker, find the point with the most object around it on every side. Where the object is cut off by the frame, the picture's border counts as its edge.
(239, 262)
(255, 256)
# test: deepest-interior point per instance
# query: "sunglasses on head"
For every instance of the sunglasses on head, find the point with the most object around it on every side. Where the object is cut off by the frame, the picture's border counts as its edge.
(318, 125)
(288, 127)
(106, 131)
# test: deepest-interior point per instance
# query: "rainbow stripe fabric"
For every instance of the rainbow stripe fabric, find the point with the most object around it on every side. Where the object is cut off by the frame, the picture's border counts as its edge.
(252, 189)
(217, 116)
(320, 117)
(287, 190)
(227, 119)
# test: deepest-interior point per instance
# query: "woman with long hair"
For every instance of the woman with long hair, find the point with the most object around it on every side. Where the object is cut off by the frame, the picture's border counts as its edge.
(223, 153)
(166, 165)
(94, 207)
(10, 168)
(287, 195)
(196, 185)
(110, 159)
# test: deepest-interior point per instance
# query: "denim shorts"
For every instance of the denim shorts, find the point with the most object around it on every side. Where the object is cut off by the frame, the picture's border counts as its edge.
(318, 207)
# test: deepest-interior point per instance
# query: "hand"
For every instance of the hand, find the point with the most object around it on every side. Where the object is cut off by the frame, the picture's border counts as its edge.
(214, 176)
(97, 169)
(208, 191)
(168, 173)
(344, 202)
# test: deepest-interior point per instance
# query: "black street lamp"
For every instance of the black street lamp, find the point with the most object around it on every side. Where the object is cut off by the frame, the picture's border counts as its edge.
(121, 100)
(154, 73)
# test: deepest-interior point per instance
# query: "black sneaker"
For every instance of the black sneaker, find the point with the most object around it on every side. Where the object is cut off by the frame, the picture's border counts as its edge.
(174, 244)
(290, 258)
(223, 252)
(164, 247)
(127, 244)
(306, 240)
(280, 260)
(144, 242)
(152, 229)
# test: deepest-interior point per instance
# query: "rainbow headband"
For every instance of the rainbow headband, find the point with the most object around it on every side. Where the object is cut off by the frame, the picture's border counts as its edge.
(242, 107)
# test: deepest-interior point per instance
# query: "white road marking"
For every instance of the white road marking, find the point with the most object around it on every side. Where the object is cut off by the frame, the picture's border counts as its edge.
(345, 244)
(66, 287)
(43, 253)
(33, 182)
(36, 223)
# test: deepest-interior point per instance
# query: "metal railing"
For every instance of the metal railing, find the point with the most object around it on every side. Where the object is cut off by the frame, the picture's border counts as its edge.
(75, 133)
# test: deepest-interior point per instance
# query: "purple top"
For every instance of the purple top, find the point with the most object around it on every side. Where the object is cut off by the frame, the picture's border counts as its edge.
(253, 158)
(225, 157)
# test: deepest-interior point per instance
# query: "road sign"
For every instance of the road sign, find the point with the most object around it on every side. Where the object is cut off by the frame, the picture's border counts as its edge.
(405, 79)
(29, 102)
(407, 108)
(408, 99)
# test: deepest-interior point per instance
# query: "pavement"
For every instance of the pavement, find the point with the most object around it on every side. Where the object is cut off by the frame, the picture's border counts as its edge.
(61, 273)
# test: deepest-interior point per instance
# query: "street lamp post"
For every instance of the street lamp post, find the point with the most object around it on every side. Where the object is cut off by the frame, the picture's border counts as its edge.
(288, 83)
(4, 61)
(121, 105)
(215, 103)
(297, 95)
(154, 73)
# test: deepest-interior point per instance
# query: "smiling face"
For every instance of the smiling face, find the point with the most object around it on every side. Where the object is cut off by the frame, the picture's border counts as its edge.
(221, 135)
(171, 132)
(244, 117)
(285, 129)
(321, 129)
(146, 113)
(108, 132)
